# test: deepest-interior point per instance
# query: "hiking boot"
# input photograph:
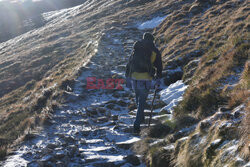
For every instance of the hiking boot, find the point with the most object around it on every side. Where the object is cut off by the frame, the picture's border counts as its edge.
(143, 121)
(137, 130)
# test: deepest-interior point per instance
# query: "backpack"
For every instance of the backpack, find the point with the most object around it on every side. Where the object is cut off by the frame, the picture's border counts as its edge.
(140, 60)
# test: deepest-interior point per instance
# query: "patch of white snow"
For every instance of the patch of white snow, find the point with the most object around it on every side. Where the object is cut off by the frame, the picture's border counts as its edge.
(172, 95)
(151, 23)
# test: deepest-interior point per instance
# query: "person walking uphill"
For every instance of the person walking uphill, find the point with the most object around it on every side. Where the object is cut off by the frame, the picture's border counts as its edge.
(144, 65)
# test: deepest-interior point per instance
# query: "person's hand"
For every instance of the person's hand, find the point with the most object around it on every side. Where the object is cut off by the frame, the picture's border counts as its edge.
(157, 83)
(128, 83)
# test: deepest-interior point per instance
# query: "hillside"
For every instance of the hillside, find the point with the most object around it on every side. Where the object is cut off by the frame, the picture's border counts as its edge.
(204, 43)
(37, 67)
(209, 42)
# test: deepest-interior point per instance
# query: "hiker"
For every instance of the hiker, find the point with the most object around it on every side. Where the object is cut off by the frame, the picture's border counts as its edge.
(144, 65)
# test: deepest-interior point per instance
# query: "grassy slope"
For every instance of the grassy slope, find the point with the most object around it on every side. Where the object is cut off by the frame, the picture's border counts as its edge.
(37, 67)
(192, 30)
(208, 32)
(217, 34)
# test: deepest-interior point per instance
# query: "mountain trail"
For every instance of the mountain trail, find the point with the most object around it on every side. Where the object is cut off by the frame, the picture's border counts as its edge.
(94, 128)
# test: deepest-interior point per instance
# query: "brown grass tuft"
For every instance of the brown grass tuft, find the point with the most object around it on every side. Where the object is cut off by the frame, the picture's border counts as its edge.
(241, 92)
(245, 134)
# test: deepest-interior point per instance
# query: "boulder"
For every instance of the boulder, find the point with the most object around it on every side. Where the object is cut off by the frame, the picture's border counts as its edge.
(223, 109)
(227, 116)
(69, 139)
(45, 161)
(101, 110)
(72, 150)
(122, 103)
(29, 136)
(164, 110)
(103, 119)
(171, 76)
(124, 146)
(114, 117)
(47, 151)
(227, 130)
(238, 114)
(159, 157)
(178, 145)
(60, 164)
(110, 106)
(133, 159)
(70, 96)
(185, 121)
(181, 133)
(159, 130)
(210, 151)
(91, 111)
(204, 125)
(51, 145)
(159, 104)
(59, 155)
(132, 106)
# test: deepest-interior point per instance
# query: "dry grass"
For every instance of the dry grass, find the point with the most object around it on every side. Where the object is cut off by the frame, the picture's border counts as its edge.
(27, 107)
(205, 93)
(239, 95)
(35, 88)
(241, 92)
(221, 41)
(35, 68)
(245, 134)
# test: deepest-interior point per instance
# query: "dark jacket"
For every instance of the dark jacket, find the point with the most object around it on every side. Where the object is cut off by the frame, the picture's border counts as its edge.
(148, 48)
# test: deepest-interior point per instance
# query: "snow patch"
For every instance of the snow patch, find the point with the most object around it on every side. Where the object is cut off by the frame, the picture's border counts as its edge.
(247, 165)
(94, 141)
(151, 23)
(173, 71)
(156, 142)
(109, 158)
(130, 141)
(169, 147)
(215, 142)
(172, 95)
(96, 149)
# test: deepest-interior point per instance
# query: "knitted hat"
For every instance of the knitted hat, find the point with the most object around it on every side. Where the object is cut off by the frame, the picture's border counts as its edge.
(148, 36)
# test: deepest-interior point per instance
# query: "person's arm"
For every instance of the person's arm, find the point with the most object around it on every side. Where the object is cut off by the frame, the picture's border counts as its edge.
(128, 66)
(158, 63)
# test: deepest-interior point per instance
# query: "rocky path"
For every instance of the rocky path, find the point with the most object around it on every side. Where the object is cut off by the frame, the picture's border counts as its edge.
(94, 128)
